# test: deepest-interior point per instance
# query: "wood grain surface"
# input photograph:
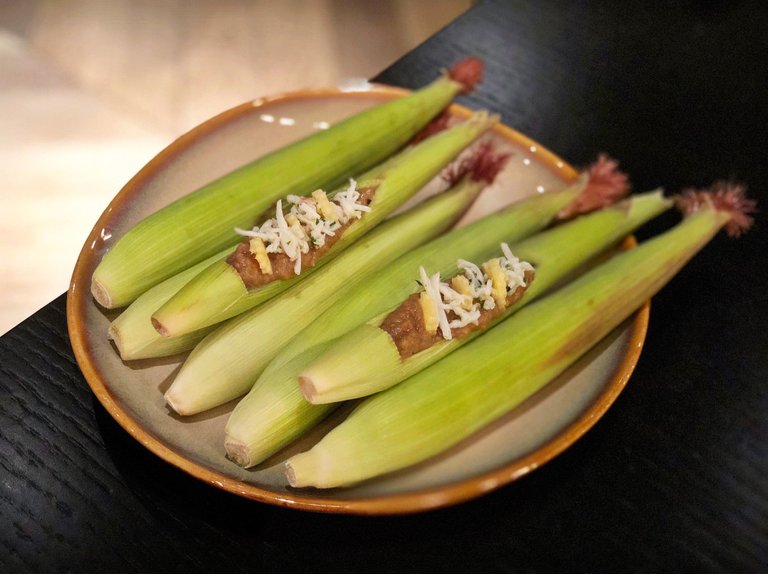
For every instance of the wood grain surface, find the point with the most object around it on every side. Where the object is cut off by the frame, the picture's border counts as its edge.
(672, 479)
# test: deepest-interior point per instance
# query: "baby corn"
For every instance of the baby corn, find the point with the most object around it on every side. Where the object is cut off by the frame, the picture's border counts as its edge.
(219, 292)
(337, 375)
(200, 224)
(274, 412)
(133, 333)
(440, 406)
(227, 362)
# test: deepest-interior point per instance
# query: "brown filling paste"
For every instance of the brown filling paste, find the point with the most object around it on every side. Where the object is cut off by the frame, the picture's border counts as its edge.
(406, 323)
(246, 265)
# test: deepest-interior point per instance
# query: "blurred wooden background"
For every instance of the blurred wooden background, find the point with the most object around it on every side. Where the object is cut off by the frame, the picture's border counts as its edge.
(90, 90)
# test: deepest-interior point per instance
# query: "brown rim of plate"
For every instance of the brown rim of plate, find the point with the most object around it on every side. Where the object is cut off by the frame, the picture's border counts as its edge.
(79, 296)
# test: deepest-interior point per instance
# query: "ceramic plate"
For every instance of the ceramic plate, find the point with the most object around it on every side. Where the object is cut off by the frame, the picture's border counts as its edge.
(132, 393)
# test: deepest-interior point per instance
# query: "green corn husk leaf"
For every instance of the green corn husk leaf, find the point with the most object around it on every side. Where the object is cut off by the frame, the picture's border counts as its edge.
(133, 333)
(477, 239)
(219, 293)
(442, 405)
(274, 413)
(200, 224)
(136, 338)
(336, 375)
(227, 362)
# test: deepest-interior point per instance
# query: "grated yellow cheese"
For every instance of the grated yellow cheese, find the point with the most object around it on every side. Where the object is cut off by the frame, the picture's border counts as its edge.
(498, 280)
(324, 206)
(298, 230)
(460, 302)
(303, 224)
(259, 250)
(461, 284)
(428, 309)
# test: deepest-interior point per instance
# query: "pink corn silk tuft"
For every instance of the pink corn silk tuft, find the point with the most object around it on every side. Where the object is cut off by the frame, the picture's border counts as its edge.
(487, 162)
(482, 164)
(438, 124)
(727, 196)
(468, 72)
(606, 185)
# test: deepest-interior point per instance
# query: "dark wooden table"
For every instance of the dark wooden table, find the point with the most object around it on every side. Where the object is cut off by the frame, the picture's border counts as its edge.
(673, 478)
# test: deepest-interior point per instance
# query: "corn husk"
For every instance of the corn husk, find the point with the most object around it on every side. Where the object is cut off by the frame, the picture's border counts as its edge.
(219, 293)
(395, 282)
(226, 363)
(132, 331)
(274, 413)
(337, 375)
(455, 397)
(200, 224)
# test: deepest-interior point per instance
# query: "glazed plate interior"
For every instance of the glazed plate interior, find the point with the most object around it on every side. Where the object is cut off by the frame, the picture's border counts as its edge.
(132, 392)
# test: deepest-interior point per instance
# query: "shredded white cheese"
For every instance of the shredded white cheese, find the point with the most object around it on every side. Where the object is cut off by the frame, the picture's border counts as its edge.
(306, 223)
(447, 300)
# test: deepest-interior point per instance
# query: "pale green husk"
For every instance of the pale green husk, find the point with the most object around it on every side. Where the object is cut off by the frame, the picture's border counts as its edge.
(395, 282)
(200, 224)
(337, 375)
(132, 331)
(274, 412)
(219, 293)
(226, 363)
(455, 397)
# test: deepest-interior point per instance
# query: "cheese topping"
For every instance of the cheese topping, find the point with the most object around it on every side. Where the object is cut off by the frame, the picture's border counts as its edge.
(461, 284)
(470, 292)
(429, 310)
(259, 250)
(493, 270)
(308, 221)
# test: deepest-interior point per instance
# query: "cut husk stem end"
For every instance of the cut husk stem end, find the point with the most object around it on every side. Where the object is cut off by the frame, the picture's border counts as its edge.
(318, 384)
(201, 302)
(100, 293)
